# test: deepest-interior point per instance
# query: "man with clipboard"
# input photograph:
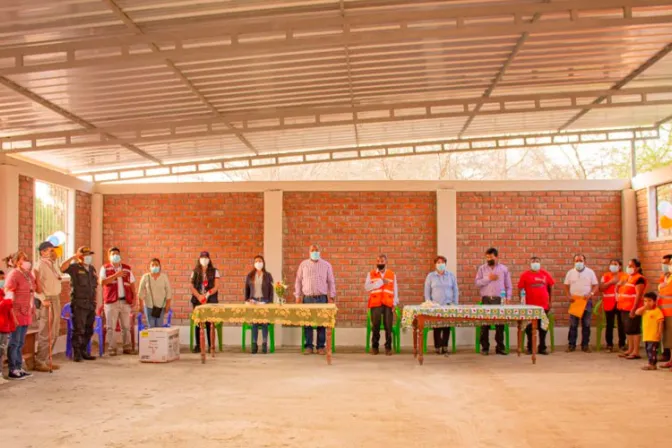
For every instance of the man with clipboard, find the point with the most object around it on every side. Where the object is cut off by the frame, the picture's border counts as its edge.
(580, 286)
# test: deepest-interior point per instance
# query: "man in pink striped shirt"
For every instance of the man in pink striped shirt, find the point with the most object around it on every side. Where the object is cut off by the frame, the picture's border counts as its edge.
(315, 284)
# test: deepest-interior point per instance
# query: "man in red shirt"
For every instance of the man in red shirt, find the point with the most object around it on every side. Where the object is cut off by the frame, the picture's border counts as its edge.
(538, 285)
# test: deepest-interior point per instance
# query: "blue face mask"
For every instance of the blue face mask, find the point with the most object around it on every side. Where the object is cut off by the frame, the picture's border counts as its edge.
(116, 258)
(613, 268)
(155, 269)
(579, 266)
(441, 267)
(314, 256)
(2, 284)
(535, 266)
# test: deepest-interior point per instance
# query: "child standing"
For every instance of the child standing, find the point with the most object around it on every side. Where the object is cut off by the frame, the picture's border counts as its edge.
(7, 325)
(652, 323)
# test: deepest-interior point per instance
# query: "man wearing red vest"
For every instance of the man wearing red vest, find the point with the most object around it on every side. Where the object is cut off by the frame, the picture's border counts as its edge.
(381, 284)
(665, 305)
(118, 293)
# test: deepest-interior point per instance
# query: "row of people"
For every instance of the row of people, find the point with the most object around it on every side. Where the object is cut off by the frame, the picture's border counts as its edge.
(622, 299)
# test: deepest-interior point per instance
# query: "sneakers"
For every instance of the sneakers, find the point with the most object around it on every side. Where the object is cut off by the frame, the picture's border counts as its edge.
(25, 374)
(16, 375)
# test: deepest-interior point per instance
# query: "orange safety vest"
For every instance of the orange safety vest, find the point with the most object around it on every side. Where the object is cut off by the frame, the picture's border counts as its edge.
(609, 294)
(627, 294)
(665, 295)
(385, 294)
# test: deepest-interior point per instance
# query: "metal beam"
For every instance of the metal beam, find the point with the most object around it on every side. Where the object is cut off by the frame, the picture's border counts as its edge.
(90, 127)
(401, 29)
(375, 151)
(171, 65)
(620, 84)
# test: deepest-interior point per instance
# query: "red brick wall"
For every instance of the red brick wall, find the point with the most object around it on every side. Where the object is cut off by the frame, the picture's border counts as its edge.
(26, 214)
(176, 227)
(552, 225)
(650, 253)
(353, 228)
(82, 219)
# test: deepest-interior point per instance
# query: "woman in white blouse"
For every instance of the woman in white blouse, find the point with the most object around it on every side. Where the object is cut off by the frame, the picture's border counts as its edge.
(155, 294)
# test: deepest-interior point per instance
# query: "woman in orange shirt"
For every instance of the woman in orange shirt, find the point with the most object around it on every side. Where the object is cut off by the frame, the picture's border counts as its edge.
(608, 284)
(630, 294)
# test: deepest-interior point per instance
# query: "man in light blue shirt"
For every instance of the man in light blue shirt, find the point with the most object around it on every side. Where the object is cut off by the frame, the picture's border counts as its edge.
(441, 288)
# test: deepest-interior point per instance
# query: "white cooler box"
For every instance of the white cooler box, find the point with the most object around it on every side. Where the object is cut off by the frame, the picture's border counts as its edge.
(159, 344)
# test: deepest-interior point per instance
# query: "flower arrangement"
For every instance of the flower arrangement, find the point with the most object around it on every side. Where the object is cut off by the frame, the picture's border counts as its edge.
(280, 290)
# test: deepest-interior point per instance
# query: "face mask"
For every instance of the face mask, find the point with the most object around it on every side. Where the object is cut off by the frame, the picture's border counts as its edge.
(314, 256)
(579, 266)
(613, 268)
(258, 265)
(380, 267)
(26, 265)
(630, 271)
(535, 266)
(440, 267)
(666, 268)
(491, 262)
(88, 259)
(155, 269)
(2, 284)
(115, 258)
(204, 261)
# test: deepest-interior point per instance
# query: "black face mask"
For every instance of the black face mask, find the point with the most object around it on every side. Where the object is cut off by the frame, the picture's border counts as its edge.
(491, 262)
(380, 267)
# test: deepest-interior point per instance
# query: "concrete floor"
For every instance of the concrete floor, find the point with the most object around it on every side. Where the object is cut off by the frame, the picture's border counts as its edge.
(287, 400)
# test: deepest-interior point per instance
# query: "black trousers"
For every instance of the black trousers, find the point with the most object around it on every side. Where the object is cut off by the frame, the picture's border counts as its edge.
(542, 335)
(198, 335)
(83, 318)
(499, 329)
(441, 337)
(385, 314)
(614, 317)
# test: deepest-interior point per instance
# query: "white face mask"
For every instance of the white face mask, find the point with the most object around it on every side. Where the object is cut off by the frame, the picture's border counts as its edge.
(630, 270)
(204, 261)
(258, 265)
(88, 259)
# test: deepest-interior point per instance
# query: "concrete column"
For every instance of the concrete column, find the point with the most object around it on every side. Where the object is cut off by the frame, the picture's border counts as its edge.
(273, 242)
(9, 208)
(96, 242)
(446, 227)
(629, 224)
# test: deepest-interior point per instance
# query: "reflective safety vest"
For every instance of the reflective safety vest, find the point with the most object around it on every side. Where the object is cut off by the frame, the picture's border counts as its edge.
(665, 295)
(609, 294)
(627, 294)
(385, 294)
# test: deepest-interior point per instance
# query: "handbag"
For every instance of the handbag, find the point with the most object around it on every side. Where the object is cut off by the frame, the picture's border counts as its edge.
(156, 310)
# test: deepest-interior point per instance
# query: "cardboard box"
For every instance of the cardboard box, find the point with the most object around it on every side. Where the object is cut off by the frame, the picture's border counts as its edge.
(159, 345)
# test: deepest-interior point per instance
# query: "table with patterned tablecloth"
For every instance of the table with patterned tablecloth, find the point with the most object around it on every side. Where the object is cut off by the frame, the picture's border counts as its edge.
(300, 315)
(418, 317)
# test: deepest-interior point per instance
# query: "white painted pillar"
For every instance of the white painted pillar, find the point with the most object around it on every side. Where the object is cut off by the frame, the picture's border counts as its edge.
(273, 242)
(96, 242)
(629, 224)
(446, 227)
(9, 208)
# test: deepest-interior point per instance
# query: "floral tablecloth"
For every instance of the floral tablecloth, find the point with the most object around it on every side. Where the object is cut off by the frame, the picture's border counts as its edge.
(475, 315)
(319, 315)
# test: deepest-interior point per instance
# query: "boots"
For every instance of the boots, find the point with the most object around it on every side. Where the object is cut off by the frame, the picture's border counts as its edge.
(264, 348)
(255, 349)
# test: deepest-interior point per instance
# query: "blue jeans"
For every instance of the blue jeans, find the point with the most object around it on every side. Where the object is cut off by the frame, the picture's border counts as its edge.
(15, 349)
(321, 331)
(255, 332)
(585, 327)
(154, 322)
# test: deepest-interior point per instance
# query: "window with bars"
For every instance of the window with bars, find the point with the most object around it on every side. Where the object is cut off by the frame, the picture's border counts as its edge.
(51, 214)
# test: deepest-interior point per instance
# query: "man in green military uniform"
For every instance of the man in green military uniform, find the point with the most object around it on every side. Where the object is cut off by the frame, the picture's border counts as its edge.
(83, 284)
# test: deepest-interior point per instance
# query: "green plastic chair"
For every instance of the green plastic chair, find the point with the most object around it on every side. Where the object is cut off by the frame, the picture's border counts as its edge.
(396, 330)
(333, 340)
(425, 333)
(551, 331)
(492, 327)
(271, 333)
(219, 331)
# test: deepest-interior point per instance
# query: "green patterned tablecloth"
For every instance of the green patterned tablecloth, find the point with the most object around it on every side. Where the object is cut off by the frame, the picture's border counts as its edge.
(475, 315)
(301, 315)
